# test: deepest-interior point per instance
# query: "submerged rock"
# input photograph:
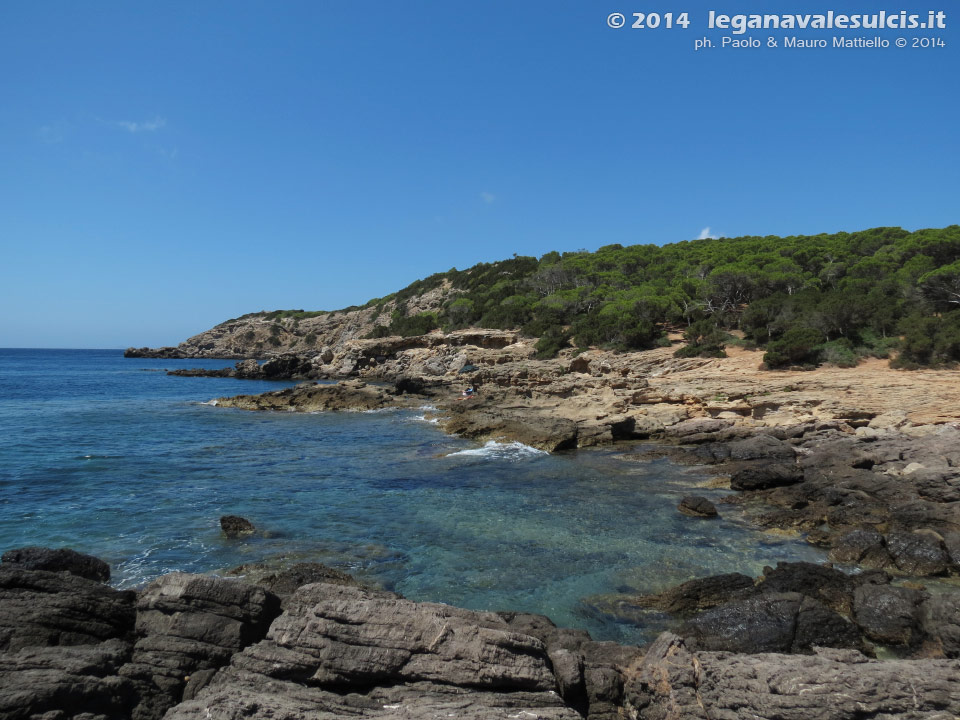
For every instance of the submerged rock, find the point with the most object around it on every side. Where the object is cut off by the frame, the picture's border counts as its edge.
(697, 506)
(234, 526)
(283, 582)
(701, 593)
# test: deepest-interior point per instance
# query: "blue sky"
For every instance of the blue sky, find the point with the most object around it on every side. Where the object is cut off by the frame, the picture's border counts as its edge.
(166, 166)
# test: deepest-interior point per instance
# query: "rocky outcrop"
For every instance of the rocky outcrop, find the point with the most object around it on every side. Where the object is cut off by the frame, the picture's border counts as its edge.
(486, 418)
(771, 622)
(66, 682)
(345, 395)
(168, 353)
(187, 627)
(58, 560)
(209, 647)
(673, 682)
(798, 606)
(340, 649)
(40, 608)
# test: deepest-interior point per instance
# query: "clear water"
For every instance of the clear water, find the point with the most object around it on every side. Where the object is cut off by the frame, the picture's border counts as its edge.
(113, 457)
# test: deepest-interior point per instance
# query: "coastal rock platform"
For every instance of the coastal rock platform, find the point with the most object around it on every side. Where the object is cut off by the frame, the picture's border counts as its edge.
(204, 647)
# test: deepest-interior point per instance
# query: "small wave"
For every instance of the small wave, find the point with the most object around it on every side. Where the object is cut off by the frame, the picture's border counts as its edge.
(376, 411)
(501, 451)
(424, 418)
(98, 457)
(211, 403)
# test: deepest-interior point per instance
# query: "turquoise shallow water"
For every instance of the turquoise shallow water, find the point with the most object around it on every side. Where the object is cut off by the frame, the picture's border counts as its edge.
(110, 456)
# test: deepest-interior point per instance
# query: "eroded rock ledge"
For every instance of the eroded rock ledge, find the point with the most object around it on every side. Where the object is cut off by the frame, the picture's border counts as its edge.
(191, 646)
(674, 682)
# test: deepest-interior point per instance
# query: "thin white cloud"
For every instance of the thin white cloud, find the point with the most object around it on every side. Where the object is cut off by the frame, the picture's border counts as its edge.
(488, 198)
(50, 134)
(147, 126)
(705, 234)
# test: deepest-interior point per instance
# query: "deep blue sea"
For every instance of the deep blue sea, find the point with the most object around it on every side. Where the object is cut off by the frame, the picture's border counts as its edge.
(112, 457)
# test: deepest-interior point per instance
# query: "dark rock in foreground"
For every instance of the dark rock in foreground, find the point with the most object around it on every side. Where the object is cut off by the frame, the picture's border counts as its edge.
(341, 650)
(771, 622)
(39, 608)
(66, 682)
(58, 560)
(799, 606)
(188, 626)
(208, 647)
(761, 476)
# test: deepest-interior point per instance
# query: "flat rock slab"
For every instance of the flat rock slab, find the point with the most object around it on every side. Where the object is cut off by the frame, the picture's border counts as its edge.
(344, 635)
(675, 683)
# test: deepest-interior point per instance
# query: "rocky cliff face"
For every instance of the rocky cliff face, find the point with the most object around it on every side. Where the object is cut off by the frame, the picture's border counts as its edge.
(260, 335)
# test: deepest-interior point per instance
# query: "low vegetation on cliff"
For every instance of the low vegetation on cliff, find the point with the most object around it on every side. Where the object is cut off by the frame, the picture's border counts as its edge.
(806, 299)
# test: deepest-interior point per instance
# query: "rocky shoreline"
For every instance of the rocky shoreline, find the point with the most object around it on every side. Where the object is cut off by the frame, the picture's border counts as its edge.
(878, 490)
(311, 642)
(863, 463)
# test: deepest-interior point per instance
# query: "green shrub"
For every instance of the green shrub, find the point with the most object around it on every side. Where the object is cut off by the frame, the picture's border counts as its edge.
(704, 339)
(552, 342)
(931, 341)
(798, 346)
(840, 353)
(406, 326)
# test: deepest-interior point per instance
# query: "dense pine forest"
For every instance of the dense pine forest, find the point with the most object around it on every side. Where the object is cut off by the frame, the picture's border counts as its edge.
(805, 299)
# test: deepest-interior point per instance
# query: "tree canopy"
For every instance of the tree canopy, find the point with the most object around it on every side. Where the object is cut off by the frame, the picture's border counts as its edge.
(798, 296)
